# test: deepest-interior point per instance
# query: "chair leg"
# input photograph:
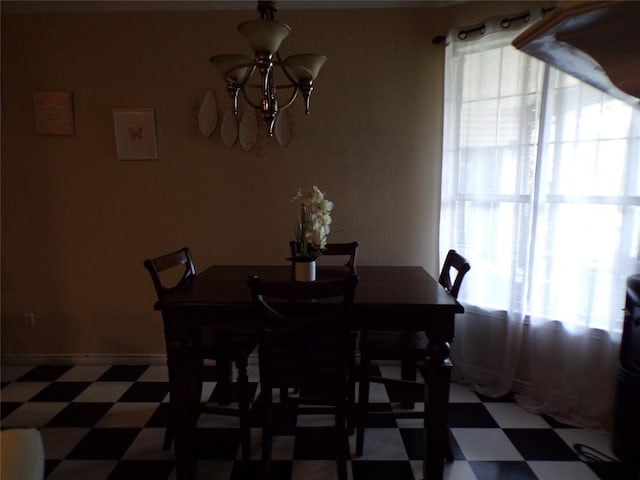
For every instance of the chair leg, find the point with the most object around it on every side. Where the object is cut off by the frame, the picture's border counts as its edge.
(243, 406)
(267, 433)
(168, 438)
(449, 453)
(224, 379)
(342, 437)
(408, 371)
(363, 403)
(351, 395)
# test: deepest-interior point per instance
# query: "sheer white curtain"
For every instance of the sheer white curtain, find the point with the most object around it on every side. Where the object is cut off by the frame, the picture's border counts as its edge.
(541, 192)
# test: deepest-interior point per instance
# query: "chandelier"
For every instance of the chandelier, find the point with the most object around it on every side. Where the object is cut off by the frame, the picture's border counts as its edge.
(297, 71)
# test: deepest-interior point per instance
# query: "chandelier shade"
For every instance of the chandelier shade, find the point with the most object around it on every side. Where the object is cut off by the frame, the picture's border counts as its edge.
(305, 66)
(265, 36)
(233, 67)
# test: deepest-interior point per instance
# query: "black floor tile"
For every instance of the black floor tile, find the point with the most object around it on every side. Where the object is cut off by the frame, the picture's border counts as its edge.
(104, 444)
(217, 443)
(615, 470)
(160, 417)
(146, 392)
(137, 469)
(315, 444)
(60, 392)
(508, 398)
(45, 373)
(379, 421)
(80, 415)
(555, 423)
(382, 470)
(409, 393)
(123, 373)
(540, 444)
(414, 443)
(7, 407)
(246, 470)
(470, 415)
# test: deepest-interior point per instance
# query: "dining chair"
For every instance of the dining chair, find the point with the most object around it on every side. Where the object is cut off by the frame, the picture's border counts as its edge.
(410, 349)
(304, 342)
(349, 252)
(221, 346)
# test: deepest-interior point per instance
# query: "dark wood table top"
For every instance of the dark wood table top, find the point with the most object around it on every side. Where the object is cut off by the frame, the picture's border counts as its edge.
(406, 293)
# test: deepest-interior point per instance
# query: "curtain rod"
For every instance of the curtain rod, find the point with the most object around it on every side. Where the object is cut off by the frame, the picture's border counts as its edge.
(504, 23)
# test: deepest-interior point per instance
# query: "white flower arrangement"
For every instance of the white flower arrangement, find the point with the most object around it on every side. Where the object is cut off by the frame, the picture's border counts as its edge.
(314, 223)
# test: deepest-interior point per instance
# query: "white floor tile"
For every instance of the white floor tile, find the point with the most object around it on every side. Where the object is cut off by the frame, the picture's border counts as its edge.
(253, 372)
(128, 415)
(314, 469)
(148, 446)
(103, 392)
(22, 391)
(282, 447)
(485, 444)
(510, 415)
(207, 390)
(211, 469)
(562, 471)
(155, 373)
(315, 420)
(457, 470)
(33, 414)
(208, 420)
(82, 469)
(9, 373)
(462, 394)
(83, 373)
(410, 422)
(599, 441)
(59, 442)
(377, 393)
(381, 444)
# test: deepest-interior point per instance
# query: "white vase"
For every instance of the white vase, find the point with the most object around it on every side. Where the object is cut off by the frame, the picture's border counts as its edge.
(304, 271)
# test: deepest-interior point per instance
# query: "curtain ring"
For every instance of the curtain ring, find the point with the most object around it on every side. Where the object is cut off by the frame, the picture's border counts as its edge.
(462, 34)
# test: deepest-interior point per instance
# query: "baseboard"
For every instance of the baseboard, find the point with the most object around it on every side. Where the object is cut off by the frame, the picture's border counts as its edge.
(92, 359)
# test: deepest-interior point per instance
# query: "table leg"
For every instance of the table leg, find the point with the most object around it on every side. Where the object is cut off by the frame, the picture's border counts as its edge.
(184, 367)
(436, 430)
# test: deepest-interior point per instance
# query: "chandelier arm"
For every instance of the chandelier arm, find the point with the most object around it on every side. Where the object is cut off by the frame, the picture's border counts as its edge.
(257, 106)
(292, 99)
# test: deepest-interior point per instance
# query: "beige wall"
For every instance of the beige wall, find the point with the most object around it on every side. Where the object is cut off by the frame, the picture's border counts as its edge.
(77, 222)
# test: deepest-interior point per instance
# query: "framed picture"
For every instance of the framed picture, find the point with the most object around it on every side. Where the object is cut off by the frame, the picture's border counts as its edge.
(135, 133)
(54, 113)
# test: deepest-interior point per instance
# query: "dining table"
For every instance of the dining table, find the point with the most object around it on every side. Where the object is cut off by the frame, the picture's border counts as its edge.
(392, 298)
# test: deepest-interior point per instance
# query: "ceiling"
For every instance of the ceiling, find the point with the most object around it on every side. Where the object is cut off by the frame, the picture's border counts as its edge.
(60, 6)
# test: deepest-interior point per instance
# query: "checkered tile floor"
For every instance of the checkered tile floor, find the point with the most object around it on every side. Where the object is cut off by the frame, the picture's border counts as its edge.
(107, 422)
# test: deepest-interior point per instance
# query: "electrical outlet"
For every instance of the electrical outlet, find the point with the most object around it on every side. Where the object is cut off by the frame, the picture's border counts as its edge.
(30, 320)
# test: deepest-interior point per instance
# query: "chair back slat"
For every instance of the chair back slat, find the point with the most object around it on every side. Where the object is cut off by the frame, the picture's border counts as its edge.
(162, 264)
(304, 329)
(453, 261)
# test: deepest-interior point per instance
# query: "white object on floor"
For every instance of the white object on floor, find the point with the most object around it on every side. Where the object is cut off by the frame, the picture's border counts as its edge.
(22, 454)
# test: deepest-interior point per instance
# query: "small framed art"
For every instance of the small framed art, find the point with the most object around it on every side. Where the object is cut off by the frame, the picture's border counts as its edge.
(135, 133)
(54, 113)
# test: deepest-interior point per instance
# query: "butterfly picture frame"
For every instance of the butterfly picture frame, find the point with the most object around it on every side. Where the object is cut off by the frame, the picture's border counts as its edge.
(135, 130)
